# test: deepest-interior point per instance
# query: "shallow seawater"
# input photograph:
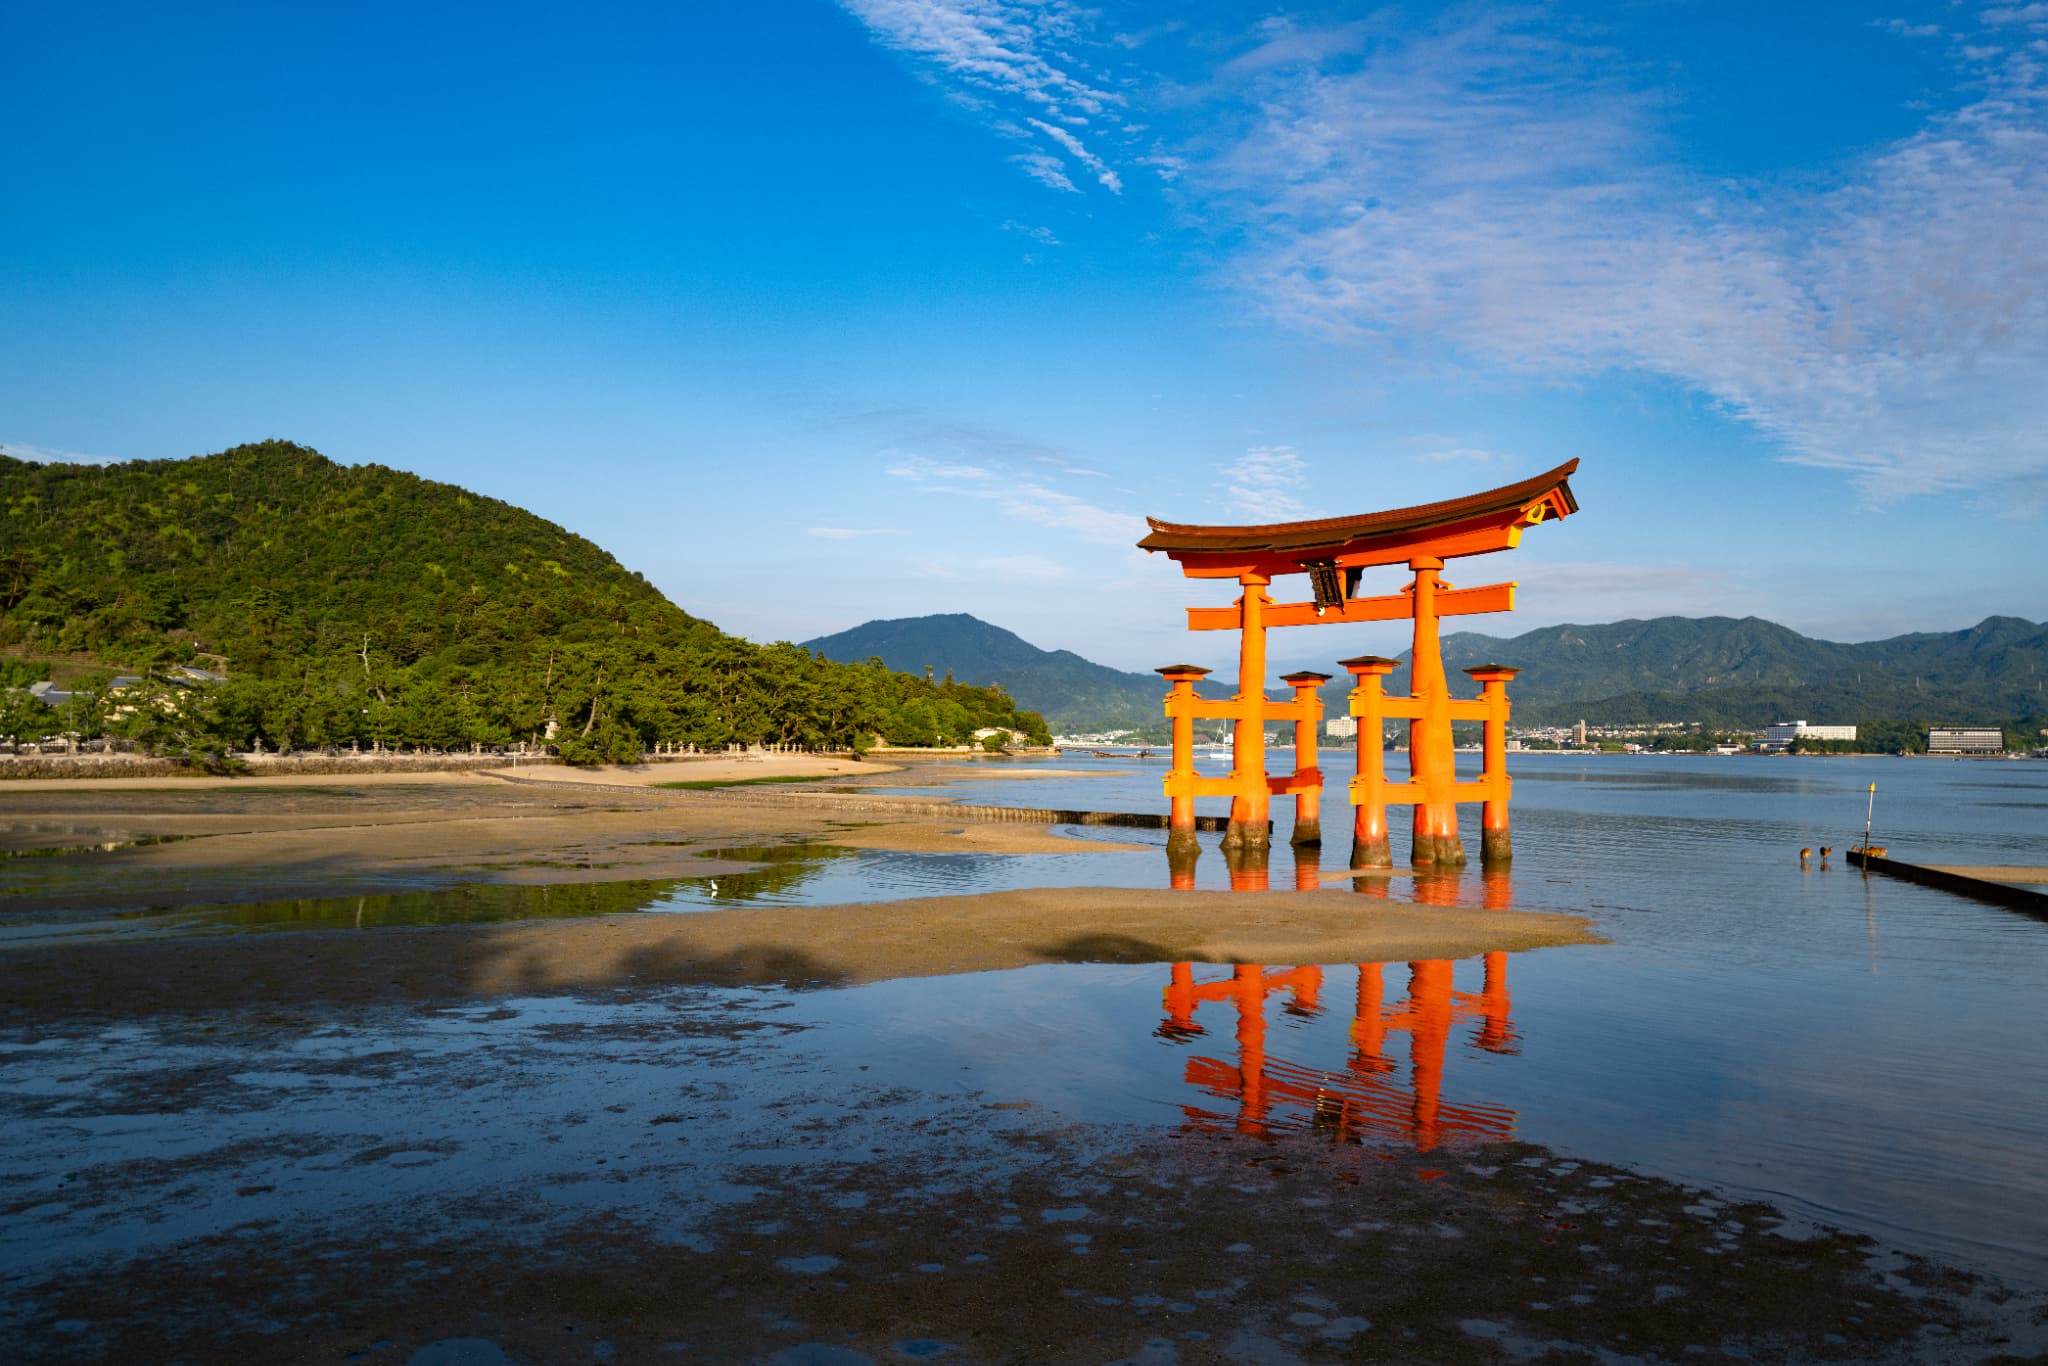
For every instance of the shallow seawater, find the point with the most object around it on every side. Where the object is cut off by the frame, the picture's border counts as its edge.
(1859, 1051)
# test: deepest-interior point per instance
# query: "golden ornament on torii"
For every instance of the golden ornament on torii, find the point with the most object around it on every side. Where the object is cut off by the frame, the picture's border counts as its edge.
(1334, 552)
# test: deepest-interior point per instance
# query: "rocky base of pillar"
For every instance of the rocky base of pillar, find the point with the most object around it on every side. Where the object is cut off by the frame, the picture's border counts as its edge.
(1180, 839)
(1438, 851)
(1307, 832)
(1496, 850)
(1248, 835)
(1372, 853)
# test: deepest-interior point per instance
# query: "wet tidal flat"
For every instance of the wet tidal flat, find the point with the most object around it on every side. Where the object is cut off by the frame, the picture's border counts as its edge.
(703, 1173)
(1780, 1113)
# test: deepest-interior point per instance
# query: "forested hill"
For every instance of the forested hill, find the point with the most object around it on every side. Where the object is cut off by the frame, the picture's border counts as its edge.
(359, 603)
(1720, 670)
(1748, 671)
(1075, 694)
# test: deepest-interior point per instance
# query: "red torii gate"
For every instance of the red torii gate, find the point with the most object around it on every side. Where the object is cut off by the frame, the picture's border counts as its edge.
(1333, 552)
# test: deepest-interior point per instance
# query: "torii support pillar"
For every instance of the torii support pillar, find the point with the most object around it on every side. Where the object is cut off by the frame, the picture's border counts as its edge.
(1432, 765)
(1251, 825)
(1307, 782)
(1180, 778)
(1369, 846)
(1495, 849)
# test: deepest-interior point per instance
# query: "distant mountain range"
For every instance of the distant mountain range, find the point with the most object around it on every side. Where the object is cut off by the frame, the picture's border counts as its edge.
(1072, 693)
(1722, 671)
(1747, 671)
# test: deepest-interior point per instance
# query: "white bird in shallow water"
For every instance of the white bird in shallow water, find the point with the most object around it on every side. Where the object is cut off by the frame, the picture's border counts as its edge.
(713, 886)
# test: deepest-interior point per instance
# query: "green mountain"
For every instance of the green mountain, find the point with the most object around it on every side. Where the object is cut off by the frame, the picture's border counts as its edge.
(1750, 672)
(1072, 693)
(359, 604)
(1718, 670)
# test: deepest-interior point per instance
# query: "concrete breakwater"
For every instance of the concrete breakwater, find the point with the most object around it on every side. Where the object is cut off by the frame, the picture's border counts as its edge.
(1962, 884)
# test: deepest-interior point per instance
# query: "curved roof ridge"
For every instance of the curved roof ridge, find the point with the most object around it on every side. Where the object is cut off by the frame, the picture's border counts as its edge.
(1421, 512)
(1332, 535)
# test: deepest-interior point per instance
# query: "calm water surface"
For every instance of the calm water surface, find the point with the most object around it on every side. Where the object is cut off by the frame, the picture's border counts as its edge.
(1862, 1052)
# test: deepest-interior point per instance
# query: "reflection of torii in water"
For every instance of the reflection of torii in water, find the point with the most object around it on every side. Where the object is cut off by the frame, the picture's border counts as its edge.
(1364, 1100)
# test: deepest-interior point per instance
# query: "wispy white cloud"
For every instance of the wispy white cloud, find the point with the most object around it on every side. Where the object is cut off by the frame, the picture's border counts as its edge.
(2016, 14)
(1047, 169)
(1263, 481)
(975, 449)
(49, 455)
(1489, 191)
(1005, 47)
(1080, 153)
(1494, 192)
(1016, 62)
(844, 533)
(1589, 591)
(1024, 569)
(1036, 234)
(935, 471)
(1023, 499)
(1284, 42)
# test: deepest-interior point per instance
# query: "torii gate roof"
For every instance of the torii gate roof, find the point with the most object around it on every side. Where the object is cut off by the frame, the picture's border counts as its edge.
(1473, 524)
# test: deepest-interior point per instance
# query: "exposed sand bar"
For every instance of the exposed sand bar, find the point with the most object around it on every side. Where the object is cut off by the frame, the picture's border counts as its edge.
(837, 945)
(238, 840)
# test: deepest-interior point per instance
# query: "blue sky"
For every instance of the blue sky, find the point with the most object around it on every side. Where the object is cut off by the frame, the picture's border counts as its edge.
(816, 313)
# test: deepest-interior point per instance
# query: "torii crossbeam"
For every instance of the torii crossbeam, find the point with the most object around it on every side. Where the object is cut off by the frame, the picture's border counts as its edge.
(1334, 552)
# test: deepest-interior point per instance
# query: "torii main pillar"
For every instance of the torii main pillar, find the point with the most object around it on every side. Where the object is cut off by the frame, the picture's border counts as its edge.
(1334, 552)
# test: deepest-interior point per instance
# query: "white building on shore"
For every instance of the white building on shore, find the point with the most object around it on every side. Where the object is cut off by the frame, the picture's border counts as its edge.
(1965, 740)
(1785, 732)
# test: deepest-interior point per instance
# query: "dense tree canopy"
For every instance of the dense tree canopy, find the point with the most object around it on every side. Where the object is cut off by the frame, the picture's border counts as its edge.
(361, 604)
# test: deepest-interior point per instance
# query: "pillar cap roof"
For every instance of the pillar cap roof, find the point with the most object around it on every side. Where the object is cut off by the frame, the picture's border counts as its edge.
(1182, 669)
(1497, 670)
(1360, 663)
(1303, 676)
(1333, 533)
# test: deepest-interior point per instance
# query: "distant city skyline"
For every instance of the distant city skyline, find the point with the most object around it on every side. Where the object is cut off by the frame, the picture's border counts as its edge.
(816, 314)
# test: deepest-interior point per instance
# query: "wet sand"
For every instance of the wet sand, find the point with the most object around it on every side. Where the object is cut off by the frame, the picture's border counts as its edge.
(665, 1174)
(802, 946)
(1173, 1251)
(190, 842)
